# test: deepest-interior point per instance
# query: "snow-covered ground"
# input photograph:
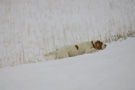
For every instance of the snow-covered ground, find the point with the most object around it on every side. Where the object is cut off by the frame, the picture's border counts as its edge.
(109, 69)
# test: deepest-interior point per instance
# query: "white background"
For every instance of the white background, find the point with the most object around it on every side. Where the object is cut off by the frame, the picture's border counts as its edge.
(29, 28)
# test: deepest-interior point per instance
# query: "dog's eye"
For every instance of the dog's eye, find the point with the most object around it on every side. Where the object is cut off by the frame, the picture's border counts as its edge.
(101, 43)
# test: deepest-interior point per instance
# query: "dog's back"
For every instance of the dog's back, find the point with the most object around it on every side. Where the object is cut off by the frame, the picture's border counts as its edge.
(73, 50)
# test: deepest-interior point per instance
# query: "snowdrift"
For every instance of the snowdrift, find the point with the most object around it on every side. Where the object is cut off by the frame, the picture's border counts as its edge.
(109, 69)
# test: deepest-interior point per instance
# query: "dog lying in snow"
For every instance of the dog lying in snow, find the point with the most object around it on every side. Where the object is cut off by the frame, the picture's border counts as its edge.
(77, 49)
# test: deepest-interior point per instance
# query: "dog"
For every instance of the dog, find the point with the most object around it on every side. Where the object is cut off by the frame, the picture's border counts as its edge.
(77, 49)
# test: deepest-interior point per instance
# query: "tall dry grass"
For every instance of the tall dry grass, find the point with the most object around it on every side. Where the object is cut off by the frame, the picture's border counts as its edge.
(29, 28)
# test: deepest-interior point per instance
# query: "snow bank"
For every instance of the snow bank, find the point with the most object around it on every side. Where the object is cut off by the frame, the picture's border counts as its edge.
(29, 28)
(109, 69)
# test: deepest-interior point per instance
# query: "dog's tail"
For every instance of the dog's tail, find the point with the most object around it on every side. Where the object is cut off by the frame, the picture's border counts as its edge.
(50, 54)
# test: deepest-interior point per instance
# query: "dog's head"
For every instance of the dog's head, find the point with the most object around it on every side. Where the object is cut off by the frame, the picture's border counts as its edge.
(98, 45)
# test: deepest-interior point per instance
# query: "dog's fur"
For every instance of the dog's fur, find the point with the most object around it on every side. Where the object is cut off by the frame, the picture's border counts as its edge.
(77, 49)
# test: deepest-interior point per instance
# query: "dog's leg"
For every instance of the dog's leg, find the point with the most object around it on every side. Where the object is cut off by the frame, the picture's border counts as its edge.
(90, 50)
(64, 55)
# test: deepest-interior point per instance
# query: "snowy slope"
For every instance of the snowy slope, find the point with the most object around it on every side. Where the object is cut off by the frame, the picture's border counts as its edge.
(110, 69)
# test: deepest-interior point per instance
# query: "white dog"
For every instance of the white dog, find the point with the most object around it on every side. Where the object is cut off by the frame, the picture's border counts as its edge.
(77, 49)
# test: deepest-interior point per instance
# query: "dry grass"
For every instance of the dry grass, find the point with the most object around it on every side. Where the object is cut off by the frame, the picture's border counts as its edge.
(29, 28)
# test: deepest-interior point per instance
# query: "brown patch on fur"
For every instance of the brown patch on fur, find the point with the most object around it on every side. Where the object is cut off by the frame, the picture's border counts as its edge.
(77, 47)
(98, 45)
(93, 44)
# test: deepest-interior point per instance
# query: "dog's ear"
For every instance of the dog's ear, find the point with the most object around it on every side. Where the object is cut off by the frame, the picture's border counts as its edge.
(98, 45)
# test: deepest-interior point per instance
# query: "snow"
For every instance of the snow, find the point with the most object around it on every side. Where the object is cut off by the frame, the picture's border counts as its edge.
(110, 69)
